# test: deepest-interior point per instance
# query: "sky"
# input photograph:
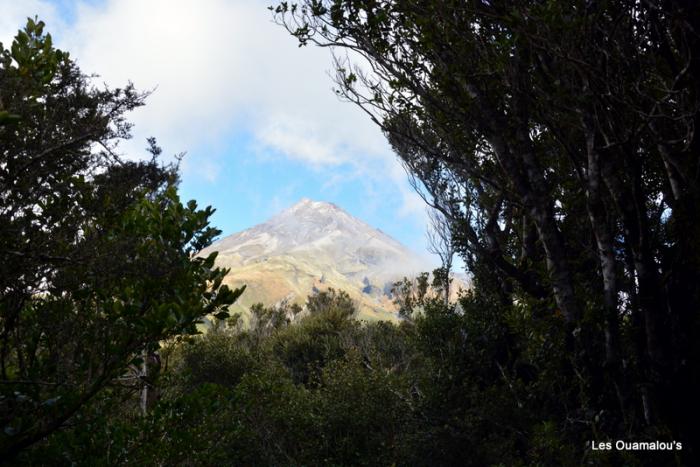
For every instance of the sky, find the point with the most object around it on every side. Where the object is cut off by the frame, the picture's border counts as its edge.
(255, 114)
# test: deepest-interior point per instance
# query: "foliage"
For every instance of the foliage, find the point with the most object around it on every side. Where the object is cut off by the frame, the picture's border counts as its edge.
(558, 141)
(331, 301)
(97, 254)
(410, 294)
(460, 384)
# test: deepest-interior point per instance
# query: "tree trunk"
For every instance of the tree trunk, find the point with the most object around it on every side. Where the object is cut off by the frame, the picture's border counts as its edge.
(649, 289)
(606, 254)
(144, 383)
(540, 210)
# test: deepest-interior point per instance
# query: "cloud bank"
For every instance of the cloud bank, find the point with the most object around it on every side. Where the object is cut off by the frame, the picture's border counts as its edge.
(218, 67)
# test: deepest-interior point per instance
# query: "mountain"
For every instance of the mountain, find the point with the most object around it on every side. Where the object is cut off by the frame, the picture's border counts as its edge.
(313, 246)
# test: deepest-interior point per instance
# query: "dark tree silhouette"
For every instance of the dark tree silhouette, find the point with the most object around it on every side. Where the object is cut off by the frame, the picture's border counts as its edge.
(560, 140)
(97, 254)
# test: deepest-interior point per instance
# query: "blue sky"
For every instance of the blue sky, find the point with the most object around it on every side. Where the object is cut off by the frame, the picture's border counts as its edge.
(255, 114)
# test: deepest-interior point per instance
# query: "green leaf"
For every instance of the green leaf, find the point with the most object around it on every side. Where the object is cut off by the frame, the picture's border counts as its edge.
(222, 315)
(7, 118)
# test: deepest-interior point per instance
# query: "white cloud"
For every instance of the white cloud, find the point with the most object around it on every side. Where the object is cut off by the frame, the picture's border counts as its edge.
(216, 64)
(299, 140)
(220, 67)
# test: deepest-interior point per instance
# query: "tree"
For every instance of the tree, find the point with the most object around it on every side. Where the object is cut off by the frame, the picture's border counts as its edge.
(411, 294)
(558, 138)
(440, 243)
(97, 255)
(331, 300)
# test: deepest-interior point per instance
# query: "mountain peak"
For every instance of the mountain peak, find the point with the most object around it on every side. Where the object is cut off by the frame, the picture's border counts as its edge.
(314, 226)
(303, 202)
(310, 204)
(312, 245)
(309, 218)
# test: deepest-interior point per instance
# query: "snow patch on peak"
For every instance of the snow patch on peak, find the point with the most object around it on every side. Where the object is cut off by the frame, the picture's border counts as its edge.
(307, 203)
(327, 235)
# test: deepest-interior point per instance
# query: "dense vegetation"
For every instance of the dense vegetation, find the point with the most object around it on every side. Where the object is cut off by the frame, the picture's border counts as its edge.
(556, 139)
(96, 252)
(470, 385)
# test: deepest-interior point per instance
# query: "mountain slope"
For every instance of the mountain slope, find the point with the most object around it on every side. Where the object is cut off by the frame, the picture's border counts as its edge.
(312, 246)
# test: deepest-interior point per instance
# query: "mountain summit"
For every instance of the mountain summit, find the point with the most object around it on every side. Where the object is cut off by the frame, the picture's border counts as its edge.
(311, 246)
